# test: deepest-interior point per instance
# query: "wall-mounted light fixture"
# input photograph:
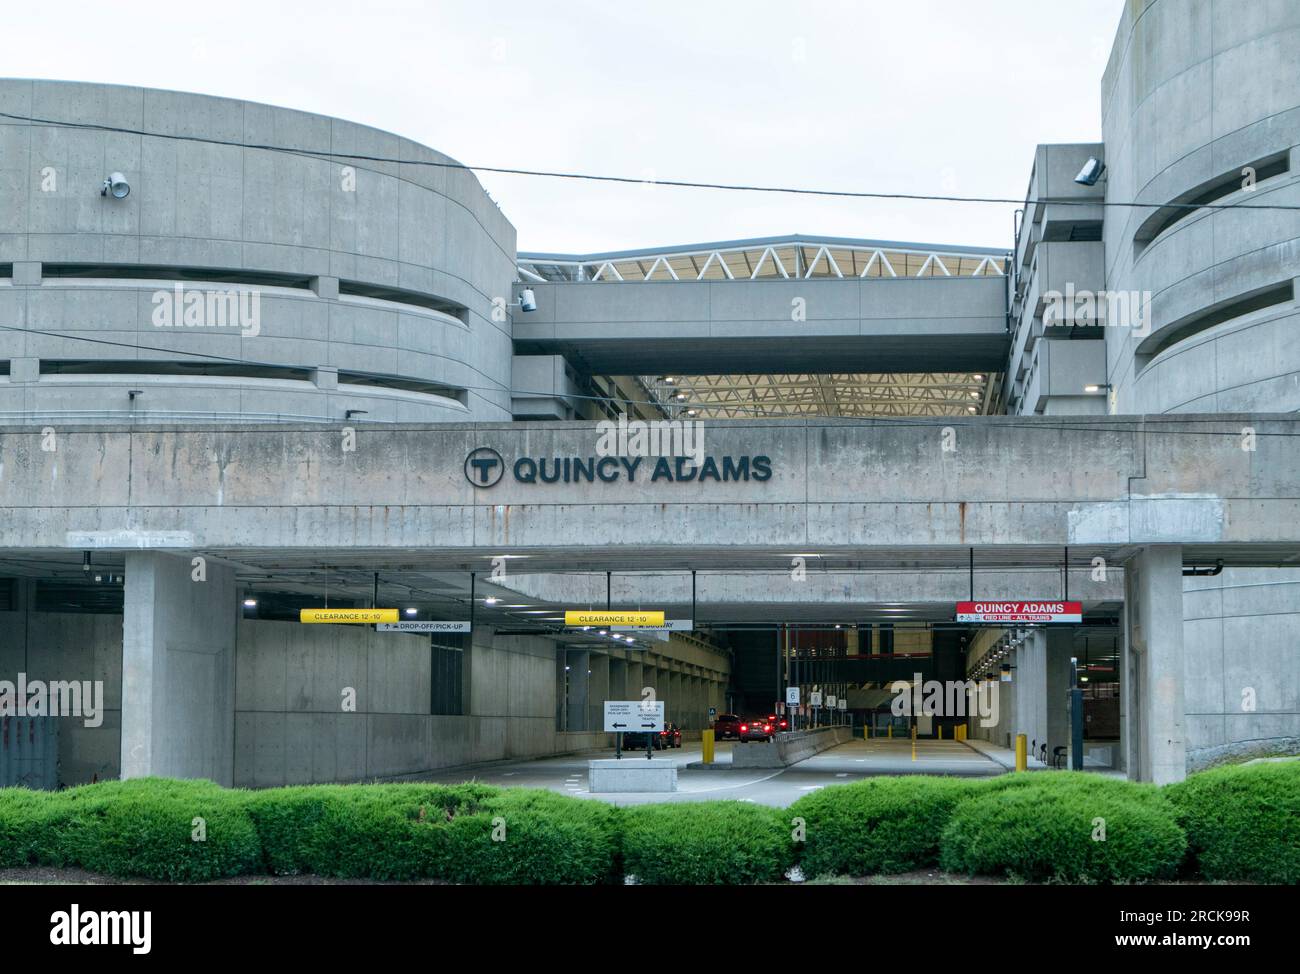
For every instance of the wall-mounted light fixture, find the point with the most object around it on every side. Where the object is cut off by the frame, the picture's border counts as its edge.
(116, 186)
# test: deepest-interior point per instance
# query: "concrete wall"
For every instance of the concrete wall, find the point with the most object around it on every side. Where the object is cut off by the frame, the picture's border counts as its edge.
(1196, 90)
(425, 234)
(291, 728)
(71, 646)
(1242, 664)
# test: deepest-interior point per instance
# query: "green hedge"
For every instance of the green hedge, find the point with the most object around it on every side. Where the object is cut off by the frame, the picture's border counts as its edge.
(1045, 826)
(1242, 821)
(719, 842)
(879, 825)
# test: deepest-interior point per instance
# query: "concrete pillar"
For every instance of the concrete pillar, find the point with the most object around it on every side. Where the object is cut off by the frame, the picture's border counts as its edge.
(1060, 649)
(634, 680)
(1155, 742)
(618, 679)
(579, 662)
(178, 668)
(599, 691)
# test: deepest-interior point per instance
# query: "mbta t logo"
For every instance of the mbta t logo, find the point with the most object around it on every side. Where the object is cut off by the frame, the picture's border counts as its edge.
(484, 467)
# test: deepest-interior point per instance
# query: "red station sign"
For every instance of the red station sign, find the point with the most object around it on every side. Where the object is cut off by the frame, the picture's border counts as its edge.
(1012, 612)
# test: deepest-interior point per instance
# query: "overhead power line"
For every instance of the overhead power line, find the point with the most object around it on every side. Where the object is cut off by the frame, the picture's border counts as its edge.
(641, 181)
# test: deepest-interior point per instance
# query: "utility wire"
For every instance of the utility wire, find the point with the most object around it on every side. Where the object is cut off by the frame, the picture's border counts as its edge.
(632, 180)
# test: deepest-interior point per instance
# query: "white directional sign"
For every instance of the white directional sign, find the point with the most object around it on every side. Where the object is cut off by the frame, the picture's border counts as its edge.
(423, 626)
(634, 715)
(670, 625)
(815, 698)
(844, 703)
(792, 696)
(830, 700)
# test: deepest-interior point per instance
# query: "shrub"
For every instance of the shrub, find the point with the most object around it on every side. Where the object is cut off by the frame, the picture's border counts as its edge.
(1042, 827)
(23, 814)
(707, 842)
(1242, 821)
(148, 827)
(359, 831)
(879, 825)
(528, 836)
(410, 831)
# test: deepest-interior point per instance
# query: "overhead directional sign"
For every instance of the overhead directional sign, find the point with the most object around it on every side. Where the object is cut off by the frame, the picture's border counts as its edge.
(669, 625)
(629, 716)
(351, 616)
(1012, 612)
(421, 625)
(635, 620)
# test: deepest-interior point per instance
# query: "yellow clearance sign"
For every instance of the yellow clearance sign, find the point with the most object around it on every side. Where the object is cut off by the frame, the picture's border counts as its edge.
(356, 616)
(586, 617)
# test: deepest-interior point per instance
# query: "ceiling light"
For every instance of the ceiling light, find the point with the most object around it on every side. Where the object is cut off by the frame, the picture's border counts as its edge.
(411, 610)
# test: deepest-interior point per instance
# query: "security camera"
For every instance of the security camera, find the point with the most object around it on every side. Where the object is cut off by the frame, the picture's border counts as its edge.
(1091, 172)
(527, 300)
(117, 185)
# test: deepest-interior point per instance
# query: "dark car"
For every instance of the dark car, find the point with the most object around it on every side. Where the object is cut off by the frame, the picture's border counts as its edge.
(761, 729)
(726, 725)
(778, 723)
(671, 735)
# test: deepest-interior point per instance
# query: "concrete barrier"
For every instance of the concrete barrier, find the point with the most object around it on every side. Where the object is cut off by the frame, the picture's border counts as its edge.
(788, 748)
(631, 774)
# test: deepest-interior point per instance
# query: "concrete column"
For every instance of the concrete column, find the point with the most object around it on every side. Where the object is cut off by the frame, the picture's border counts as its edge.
(1155, 740)
(579, 662)
(178, 668)
(599, 691)
(618, 679)
(1060, 649)
(634, 681)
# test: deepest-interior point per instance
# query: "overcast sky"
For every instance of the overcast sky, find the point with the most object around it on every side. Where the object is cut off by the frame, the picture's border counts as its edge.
(919, 96)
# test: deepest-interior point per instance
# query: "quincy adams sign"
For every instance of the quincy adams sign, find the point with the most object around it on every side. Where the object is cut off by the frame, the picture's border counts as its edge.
(484, 467)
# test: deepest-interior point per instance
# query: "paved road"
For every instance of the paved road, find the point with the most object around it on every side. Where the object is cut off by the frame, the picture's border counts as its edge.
(847, 762)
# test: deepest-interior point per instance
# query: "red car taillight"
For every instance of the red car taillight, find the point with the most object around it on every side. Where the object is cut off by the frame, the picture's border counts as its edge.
(767, 727)
(744, 727)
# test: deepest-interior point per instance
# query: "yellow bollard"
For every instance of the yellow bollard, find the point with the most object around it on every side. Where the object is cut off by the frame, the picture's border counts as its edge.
(1022, 750)
(890, 730)
(706, 739)
(941, 732)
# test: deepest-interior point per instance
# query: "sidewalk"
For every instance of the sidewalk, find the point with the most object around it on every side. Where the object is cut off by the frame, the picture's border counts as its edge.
(1004, 756)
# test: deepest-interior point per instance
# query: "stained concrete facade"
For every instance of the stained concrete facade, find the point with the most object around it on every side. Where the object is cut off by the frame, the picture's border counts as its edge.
(375, 281)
